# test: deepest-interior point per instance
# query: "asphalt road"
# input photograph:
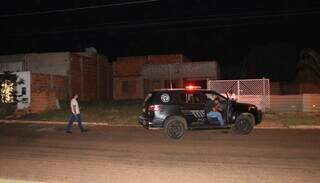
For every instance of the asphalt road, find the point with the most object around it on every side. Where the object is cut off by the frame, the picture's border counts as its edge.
(45, 153)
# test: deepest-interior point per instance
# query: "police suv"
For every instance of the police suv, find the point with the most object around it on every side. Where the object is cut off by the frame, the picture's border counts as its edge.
(177, 110)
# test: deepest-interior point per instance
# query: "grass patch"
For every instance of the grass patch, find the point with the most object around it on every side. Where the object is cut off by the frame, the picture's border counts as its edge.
(119, 112)
(297, 118)
(127, 112)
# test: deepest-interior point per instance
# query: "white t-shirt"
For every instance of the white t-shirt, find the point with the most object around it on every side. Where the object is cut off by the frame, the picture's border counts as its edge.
(74, 102)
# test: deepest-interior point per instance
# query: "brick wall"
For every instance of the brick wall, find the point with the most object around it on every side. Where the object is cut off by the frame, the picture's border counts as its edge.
(45, 90)
(90, 77)
(129, 70)
(128, 88)
(89, 71)
(129, 66)
(166, 59)
(104, 78)
(132, 66)
(75, 74)
(42, 101)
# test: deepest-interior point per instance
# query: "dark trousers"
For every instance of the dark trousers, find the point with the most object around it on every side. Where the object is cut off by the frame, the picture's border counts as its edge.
(74, 117)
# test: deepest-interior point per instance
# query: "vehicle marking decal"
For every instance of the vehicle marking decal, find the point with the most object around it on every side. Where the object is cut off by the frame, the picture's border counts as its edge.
(198, 113)
(165, 98)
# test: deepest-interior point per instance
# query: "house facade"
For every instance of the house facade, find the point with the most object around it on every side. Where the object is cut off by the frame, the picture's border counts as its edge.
(58, 75)
(134, 77)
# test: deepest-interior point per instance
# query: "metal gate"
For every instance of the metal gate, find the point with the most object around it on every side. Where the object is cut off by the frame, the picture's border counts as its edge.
(253, 91)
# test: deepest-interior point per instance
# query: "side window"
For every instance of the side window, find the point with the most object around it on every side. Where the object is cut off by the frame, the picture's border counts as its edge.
(180, 98)
(194, 98)
(210, 96)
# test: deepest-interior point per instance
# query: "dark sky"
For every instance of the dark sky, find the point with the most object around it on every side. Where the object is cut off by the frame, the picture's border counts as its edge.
(248, 38)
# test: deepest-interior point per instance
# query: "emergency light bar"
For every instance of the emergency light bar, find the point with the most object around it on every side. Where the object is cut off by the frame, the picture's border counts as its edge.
(191, 87)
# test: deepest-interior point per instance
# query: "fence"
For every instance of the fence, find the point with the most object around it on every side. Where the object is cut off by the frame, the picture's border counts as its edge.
(254, 91)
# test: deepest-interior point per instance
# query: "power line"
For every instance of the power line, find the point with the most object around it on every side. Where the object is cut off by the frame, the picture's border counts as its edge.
(77, 9)
(172, 22)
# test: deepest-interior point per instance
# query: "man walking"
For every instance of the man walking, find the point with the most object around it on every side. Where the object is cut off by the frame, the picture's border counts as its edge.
(75, 115)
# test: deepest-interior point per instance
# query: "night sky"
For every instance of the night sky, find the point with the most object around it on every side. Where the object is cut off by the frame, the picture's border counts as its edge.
(249, 39)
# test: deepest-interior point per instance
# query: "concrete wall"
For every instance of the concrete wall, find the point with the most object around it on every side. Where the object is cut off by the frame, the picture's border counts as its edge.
(311, 103)
(133, 66)
(48, 63)
(204, 70)
(285, 88)
(56, 63)
(295, 103)
(14, 63)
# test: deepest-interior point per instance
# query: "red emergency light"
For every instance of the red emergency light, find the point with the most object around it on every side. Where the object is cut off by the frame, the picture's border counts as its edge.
(192, 87)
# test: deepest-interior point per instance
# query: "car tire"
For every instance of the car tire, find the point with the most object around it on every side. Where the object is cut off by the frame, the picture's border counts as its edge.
(243, 125)
(174, 127)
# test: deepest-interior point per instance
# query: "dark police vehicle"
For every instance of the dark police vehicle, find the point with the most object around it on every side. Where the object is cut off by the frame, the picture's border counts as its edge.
(176, 110)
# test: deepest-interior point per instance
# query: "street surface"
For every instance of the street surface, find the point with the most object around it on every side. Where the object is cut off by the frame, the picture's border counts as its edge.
(44, 153)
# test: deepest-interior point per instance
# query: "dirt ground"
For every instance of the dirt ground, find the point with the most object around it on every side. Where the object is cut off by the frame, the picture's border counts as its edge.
(44, 153)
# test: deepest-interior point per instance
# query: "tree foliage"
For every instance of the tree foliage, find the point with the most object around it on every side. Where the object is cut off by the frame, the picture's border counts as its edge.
(8, 93)
(309, 66)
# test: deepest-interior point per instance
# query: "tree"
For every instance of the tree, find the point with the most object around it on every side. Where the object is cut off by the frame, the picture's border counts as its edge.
(309, 66)
(8, 93)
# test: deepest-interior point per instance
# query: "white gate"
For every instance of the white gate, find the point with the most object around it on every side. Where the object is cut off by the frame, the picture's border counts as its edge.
(253, 91)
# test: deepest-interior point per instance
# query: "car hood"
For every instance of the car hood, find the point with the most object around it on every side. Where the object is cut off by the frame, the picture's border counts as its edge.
(244, 106)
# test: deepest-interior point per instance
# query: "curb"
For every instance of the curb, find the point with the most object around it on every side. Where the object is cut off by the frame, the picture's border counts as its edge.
(270, 127)
(302, 127)
(65, 123)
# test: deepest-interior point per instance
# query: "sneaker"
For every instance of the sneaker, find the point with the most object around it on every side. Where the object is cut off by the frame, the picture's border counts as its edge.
(84, 130)
(68, 131)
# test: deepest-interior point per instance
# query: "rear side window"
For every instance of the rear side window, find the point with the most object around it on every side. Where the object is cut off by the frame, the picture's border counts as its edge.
(148, 97)
(191, 98)
(161, 98)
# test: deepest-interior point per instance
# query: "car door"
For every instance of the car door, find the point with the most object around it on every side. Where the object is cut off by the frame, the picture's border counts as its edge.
(224, 104)
(192, 107)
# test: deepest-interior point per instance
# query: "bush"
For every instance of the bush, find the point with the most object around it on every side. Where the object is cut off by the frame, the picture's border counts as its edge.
(6, 110)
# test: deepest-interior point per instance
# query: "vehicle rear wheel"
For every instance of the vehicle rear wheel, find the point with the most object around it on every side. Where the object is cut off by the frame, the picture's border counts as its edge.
(174, 127)
(243, 125)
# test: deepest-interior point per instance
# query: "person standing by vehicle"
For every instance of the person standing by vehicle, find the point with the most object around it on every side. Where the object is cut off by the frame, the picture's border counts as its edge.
(231, 95)
(75, 115)
(214, 110)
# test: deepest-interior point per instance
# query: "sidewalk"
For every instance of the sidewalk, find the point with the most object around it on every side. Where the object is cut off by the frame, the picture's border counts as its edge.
(279, 125)
(262, 125)
(271, 125)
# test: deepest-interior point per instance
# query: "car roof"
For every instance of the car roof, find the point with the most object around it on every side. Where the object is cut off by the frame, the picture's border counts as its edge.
(181, 89)
(185, 90)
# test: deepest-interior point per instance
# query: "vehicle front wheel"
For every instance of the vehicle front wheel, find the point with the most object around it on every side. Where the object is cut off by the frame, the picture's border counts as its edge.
(243, 125)
(174, 127)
